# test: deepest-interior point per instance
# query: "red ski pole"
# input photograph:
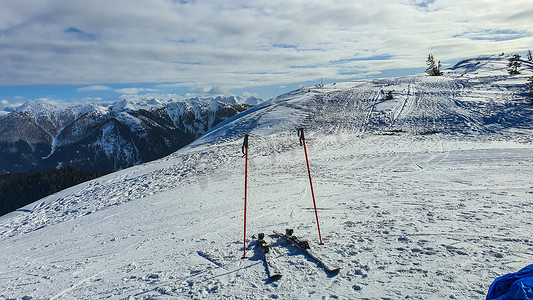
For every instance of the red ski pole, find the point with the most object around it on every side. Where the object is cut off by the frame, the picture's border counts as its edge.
(302, 143)
(245, 152)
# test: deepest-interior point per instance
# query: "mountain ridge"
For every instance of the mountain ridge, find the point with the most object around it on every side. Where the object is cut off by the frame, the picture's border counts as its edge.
(42, 134)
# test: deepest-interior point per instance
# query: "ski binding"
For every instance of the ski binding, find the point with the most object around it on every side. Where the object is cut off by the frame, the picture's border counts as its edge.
(274, 271)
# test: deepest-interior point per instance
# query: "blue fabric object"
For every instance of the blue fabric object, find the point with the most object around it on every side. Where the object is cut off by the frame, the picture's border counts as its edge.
(513, 286)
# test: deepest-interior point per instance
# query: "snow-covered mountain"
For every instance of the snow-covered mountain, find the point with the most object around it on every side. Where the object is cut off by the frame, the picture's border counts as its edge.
(425, 196)
(41, 134)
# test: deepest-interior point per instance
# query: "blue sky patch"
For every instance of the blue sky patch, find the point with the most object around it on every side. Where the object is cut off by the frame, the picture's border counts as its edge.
(80, 34)
(424, 3)
(285, 46)
(494, 35)
(376, 57)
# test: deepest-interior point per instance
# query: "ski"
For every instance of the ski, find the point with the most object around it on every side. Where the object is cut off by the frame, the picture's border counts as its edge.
(273, 270)
(304, 246)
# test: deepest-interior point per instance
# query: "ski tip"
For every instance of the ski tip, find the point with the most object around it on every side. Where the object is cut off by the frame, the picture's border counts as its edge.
(275, 276)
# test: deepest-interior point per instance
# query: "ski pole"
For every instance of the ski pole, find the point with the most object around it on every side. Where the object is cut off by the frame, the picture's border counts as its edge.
(245, 152)
(302, 143)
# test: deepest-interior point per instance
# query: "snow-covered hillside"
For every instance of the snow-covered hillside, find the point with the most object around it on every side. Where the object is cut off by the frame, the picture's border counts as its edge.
(425, 196)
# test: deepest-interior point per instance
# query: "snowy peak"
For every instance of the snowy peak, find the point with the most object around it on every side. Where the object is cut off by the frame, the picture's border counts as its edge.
(144, 104)
(39, 107)
(49, 116)
(125, 105)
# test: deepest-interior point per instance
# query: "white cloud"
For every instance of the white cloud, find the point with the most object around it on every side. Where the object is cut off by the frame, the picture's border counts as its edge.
(4, 104)
(163, 97)
(133, 90)
(93, 88)
(212, 91)
(9, 105)
(86, 100)
(248, 95)
(237, 44)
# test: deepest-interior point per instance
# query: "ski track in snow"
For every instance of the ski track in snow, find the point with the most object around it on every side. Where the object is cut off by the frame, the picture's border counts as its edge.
(425, 196)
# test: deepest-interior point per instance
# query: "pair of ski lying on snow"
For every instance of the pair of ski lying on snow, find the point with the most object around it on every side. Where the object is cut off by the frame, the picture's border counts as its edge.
(273, 269)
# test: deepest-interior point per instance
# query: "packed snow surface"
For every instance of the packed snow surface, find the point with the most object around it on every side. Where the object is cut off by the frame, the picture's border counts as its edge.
(425, 196)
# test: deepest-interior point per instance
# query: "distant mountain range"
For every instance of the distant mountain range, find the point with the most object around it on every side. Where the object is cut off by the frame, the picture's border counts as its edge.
(99, 138)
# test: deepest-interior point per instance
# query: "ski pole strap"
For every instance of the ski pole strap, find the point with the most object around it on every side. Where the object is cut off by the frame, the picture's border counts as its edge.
(301, 135)
(245, 144)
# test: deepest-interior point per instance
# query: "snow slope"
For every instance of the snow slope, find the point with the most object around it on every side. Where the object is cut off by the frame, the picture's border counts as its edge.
(426, 196)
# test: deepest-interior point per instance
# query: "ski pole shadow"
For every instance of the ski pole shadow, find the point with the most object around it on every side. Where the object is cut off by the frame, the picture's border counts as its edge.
(272, 280)
(331, 274)
(257, 255)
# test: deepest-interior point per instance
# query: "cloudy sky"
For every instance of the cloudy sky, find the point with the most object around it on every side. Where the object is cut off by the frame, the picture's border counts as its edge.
(102, 49)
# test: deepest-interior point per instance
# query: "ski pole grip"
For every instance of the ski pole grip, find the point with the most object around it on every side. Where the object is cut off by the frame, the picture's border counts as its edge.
(301, 135)
(245, 144)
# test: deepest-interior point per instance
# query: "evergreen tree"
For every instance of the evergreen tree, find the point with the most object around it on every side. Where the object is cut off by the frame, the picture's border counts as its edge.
(433, 69)
(431, 64)
(18, 190)
(514, 64)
